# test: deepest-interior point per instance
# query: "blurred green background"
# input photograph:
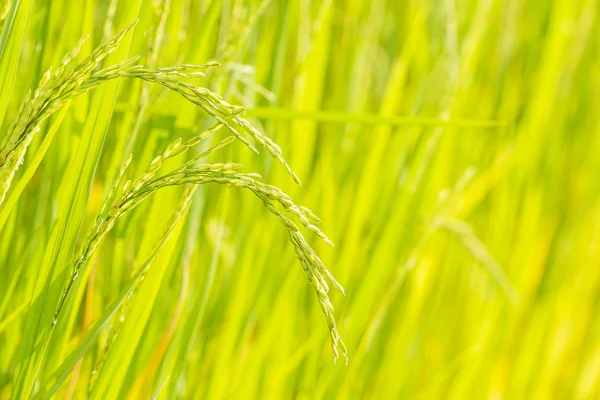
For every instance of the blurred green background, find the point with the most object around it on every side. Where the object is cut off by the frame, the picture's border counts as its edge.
(450, 148)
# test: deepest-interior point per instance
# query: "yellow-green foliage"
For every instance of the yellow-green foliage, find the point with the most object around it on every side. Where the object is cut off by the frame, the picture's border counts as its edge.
(4, 7)
(449, 148)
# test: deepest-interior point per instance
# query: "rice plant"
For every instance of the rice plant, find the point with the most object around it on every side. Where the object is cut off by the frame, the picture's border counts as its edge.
(150, 234)
(59, 86)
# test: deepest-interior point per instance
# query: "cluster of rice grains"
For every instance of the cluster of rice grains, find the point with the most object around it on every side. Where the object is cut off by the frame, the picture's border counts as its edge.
(60, 85)
(55, 89)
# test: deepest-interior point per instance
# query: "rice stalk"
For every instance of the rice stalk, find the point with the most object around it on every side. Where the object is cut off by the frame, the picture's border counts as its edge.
(208, 101)
(135, 192)
(57, 87)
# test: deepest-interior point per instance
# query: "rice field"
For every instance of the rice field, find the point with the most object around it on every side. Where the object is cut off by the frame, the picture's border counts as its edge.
(218, 199)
